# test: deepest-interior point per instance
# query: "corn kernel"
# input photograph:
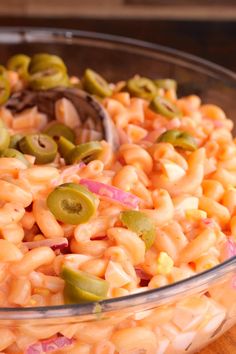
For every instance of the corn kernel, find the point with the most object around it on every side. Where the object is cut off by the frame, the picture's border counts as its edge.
(231, 188)
(41, 291)
(32, 302)
(209, 266)
(195, 214)
(164, 263)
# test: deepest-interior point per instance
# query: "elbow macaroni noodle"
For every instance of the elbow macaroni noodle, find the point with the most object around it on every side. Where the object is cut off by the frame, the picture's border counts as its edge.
(193, 207)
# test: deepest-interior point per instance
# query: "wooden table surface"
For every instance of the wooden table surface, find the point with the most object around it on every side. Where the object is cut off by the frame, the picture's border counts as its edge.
(224, 345)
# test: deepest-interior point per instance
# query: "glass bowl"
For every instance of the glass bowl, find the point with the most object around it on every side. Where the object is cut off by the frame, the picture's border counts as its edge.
(179, 318)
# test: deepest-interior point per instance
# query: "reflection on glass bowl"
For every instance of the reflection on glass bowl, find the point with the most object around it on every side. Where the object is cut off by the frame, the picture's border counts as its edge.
(175, 319)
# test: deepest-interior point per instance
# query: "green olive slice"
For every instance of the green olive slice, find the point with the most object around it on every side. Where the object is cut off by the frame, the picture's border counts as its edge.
(141, 224)
(47, 71)
(15, 154)
(85, 152)
(166, 84)
(19, 63)
(141, 87)
(42, 146)
(72, 203)
(42, 61)
(165, 107)
(4, 139)
(48, 79)
(84, 287)
(74, 295)
(5, 88)
(56, 130)
(14, 140)
(65, 146)
(179, 139)
(96, 84)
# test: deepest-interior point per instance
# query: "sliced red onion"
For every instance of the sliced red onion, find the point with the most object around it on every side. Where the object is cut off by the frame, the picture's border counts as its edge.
(54, 243)
(141, 274)
(49, 345)
(73, 169)
(111, 193)
(144, 277)
(232, 248)
(99, 238)
(218, 123)
(209, 222)
(228, 250)
(67, 172)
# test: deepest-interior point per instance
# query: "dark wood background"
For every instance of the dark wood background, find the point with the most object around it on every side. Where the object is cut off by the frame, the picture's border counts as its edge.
(212, 40)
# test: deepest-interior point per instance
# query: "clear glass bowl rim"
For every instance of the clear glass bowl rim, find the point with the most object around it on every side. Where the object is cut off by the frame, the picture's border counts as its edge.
(26, 34)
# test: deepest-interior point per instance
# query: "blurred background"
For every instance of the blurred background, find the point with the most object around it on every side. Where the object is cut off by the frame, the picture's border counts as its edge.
(206, 28)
